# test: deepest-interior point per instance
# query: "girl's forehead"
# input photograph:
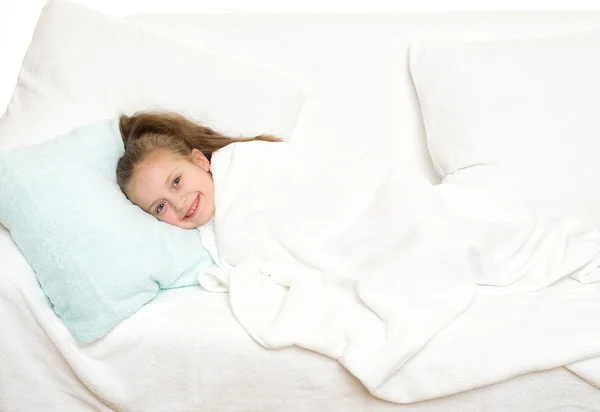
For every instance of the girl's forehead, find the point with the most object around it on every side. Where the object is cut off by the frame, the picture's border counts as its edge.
(157, 165)
(161, 158)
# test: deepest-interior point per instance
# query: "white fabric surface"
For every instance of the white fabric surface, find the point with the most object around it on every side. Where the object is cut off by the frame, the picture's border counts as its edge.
(354, 68)
(186, 348)
(348, 256)
(529, 106)
(82, 65)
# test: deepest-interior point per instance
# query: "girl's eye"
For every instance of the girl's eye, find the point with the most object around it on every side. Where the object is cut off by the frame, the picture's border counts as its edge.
(176, 181)
(160, 207)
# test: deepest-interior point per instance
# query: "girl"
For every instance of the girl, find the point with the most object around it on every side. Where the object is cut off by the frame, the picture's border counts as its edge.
(165, 169)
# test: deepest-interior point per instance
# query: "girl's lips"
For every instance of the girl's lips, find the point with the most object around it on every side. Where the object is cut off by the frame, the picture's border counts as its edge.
(193, 209)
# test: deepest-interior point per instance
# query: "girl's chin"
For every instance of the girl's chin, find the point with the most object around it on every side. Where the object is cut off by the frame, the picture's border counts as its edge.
(192, 224)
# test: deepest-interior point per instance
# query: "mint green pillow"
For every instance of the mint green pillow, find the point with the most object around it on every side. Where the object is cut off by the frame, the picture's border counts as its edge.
(98, 257)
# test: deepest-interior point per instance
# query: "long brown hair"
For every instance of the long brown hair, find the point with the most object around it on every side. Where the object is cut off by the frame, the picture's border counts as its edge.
(145, 132)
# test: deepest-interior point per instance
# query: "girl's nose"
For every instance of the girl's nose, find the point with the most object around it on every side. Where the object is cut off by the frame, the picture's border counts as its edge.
(180, 203)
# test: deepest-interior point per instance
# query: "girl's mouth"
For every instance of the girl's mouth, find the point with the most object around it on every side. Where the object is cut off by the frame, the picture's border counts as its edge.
(193, 209)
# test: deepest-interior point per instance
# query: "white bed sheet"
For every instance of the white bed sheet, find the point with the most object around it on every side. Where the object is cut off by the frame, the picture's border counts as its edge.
(185, 351)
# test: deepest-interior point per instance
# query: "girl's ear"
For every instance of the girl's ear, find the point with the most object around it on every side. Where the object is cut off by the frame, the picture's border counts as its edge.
(201, 160)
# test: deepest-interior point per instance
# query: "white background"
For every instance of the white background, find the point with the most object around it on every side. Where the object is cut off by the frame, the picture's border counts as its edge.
(18, 17)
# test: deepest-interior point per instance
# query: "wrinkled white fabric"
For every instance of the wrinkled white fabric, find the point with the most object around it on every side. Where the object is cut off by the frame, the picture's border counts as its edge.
(405, 283)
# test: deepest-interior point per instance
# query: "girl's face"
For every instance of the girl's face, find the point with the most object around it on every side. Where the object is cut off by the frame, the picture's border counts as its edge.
(177, 190)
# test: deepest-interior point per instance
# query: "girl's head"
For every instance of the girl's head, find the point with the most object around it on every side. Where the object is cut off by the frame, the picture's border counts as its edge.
(165, 169)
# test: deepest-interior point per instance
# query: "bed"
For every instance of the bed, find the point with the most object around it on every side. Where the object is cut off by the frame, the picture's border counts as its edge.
(359, 91)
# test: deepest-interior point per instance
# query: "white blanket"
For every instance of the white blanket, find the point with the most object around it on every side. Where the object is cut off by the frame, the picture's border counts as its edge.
(420, 291)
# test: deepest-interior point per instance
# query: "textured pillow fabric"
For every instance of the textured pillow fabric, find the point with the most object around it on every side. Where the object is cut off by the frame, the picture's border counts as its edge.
(526, 110)
(98, 257)
(82, 65)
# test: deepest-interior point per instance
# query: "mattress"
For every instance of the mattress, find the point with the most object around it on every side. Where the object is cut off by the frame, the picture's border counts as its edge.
(184, 351)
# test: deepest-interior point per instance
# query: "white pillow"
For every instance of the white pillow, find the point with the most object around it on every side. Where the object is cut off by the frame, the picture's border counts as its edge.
(82, 66)
(529, 109)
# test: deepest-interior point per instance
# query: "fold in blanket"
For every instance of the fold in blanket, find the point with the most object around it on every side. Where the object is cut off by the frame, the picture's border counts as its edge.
(420, 291)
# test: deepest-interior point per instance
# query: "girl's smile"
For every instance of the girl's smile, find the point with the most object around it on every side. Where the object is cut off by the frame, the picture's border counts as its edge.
(193, 208)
